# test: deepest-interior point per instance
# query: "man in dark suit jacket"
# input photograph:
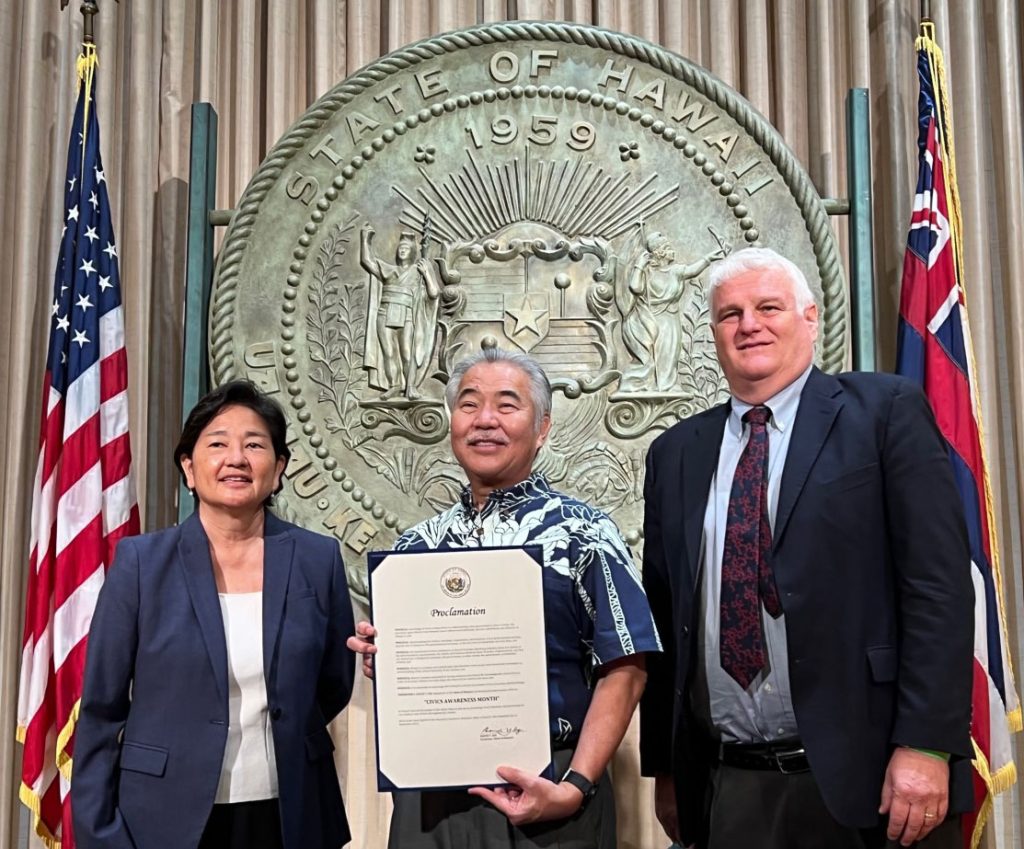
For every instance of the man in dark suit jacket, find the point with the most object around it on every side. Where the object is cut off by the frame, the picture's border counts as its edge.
(826, 701)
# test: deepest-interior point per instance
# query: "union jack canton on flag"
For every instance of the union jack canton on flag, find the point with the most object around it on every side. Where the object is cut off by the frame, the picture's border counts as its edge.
(934, 348)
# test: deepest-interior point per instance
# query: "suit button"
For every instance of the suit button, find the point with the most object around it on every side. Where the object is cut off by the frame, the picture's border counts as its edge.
(686, 630)
(275, 713)
(679, 693)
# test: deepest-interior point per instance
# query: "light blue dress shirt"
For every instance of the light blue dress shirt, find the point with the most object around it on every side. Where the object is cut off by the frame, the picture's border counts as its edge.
(764, 711)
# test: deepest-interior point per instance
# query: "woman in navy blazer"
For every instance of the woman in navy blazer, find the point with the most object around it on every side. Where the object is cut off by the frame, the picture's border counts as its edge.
(168, 723)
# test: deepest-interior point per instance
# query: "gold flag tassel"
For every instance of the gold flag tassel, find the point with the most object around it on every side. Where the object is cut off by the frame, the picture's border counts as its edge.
(86, 69)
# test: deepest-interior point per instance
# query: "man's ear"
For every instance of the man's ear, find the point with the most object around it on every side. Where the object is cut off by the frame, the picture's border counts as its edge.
(811, 317)
(545, 429)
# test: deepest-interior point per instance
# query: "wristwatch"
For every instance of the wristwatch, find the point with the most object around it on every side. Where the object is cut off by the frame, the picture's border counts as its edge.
(581, 783)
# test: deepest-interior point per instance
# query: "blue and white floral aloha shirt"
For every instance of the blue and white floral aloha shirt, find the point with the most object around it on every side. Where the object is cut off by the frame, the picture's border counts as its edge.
(595, 608)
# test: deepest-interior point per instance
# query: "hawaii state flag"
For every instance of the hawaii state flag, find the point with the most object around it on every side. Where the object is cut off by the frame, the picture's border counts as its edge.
(934, 348)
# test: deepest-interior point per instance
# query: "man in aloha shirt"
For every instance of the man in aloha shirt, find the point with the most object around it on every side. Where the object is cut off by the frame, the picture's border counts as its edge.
(598, 622)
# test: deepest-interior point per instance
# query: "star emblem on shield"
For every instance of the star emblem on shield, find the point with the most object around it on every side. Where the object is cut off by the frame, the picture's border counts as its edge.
(526, 319)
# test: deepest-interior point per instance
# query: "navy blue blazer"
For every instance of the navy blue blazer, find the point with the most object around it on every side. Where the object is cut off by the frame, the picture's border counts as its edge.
(872, 564)
(153, 721)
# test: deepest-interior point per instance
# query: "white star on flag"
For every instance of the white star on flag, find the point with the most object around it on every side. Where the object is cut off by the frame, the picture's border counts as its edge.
(56, 308)
(87, 267)
(110, 250)
(90, 234)
(84, 302)
(62, 322)
(73, 213)
(105, 284)
(95, 201)
(99, 176)
(81, 338)
(71, 184)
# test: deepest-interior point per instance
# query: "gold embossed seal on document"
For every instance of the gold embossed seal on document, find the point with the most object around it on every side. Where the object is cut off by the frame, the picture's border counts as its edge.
(455, 582)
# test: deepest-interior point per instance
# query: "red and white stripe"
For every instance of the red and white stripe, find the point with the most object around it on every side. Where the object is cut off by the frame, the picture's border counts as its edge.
(83, 504)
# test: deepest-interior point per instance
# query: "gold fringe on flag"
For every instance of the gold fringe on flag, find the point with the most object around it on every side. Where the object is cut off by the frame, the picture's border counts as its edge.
(999, 782)
(31, 801)
(63, 758)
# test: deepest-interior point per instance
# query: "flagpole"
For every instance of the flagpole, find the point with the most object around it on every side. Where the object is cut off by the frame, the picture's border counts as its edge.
(89, 10)
(85, 382)
(926, 11)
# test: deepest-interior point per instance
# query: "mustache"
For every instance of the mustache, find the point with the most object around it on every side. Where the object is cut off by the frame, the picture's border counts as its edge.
(485, 436)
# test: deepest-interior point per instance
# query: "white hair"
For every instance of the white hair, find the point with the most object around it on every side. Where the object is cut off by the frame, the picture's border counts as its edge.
(540, 386)
(764, 260)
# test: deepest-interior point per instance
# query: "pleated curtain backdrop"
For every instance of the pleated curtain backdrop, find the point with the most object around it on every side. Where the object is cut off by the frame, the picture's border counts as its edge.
(261, 63)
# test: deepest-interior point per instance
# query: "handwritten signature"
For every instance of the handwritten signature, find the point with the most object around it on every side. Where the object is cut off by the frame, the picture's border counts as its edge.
(502, 733)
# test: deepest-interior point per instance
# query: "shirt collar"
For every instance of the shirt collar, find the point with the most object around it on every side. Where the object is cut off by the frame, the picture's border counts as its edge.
(535, 483)
(783, 405)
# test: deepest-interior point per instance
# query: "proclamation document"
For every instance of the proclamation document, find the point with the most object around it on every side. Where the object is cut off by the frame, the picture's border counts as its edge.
(460, 676)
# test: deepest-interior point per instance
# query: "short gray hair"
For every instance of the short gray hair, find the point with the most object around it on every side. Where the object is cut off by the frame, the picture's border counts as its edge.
(759, 259)
(540, 386)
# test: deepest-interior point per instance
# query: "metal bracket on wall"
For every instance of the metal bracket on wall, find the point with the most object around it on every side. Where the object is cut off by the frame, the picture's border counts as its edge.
(221, 217)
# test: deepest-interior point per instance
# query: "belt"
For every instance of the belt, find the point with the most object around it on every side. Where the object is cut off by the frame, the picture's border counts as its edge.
(787, 758)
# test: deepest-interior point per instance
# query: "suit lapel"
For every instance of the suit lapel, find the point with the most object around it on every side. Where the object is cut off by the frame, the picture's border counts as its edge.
(194, 555)
(820, 403)
(278, 548)
(699, 461)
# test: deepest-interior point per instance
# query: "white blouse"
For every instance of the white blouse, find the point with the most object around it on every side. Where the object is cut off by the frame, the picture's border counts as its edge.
(249, 770)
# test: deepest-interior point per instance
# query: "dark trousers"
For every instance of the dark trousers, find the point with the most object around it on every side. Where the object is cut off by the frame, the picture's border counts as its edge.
(452, 819)
(765, 809)
(243, 825)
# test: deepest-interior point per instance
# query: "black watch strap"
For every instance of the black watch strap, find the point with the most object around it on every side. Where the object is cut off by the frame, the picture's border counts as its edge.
(581, 783)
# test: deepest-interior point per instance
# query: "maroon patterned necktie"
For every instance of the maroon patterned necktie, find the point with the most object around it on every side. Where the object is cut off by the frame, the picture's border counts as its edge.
(747, 579)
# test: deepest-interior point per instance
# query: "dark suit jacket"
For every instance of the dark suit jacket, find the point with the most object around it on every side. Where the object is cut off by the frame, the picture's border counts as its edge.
(156, 673)
(872, 565)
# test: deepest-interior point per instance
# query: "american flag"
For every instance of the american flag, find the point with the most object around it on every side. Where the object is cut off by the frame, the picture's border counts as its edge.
(83, 497)
(934, 348)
